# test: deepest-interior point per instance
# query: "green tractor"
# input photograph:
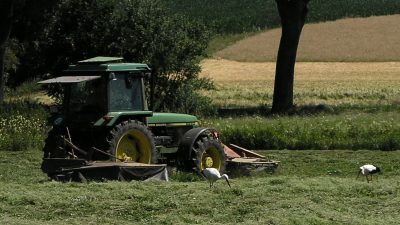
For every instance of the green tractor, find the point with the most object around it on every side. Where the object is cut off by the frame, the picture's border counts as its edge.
(104, 117)
(104, 125)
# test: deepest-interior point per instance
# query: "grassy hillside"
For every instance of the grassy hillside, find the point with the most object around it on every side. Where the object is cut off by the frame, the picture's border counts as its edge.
(237, 16)
(359, 39)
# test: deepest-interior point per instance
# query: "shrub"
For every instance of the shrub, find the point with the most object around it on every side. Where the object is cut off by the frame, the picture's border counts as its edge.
(22, 126)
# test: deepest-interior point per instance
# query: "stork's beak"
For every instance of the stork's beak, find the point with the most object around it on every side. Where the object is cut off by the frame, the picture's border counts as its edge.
(227, 181)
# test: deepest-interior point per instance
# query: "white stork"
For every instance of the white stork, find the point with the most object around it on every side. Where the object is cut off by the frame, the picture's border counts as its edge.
(212, 175)
(368, 170)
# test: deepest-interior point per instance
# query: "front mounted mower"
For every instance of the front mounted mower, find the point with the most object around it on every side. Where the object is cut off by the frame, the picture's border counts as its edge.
(104, 122)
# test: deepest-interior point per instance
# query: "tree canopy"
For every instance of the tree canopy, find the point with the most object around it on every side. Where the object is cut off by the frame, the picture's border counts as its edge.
(137, 30)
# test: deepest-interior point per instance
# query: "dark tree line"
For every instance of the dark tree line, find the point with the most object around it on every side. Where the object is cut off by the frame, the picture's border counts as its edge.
(46, 39)
(48, 35)
(6, 19)
(21, 26)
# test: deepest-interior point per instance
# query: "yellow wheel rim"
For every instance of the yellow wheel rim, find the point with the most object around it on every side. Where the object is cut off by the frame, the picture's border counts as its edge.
(134, 146)
(211, 158)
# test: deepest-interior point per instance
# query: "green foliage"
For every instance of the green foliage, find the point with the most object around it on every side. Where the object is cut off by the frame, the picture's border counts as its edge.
(140, 31)
(183, 97)
(26, 88)
(11, 60)
(226, 16)
(237, 16)
(361, 131)
(22, 125)
(30, 20)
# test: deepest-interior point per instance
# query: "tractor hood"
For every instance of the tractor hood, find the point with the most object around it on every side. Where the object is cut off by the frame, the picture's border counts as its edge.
(171, 119)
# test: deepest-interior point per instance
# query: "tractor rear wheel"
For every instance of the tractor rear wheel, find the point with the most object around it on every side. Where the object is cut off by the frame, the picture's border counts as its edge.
(209, 152)
(132, 141)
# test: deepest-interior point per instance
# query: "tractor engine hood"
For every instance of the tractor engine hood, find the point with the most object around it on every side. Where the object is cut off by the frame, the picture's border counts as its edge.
(171, 119)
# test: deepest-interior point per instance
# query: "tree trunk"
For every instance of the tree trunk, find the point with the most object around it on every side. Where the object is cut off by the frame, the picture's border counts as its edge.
(293, 14)
(6, 14)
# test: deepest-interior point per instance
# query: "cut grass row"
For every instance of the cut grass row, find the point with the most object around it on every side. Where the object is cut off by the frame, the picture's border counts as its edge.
(310, 187)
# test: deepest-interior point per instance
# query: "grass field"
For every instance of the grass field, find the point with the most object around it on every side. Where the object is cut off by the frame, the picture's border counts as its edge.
(310, 187)
(338, 105)
(360, 105)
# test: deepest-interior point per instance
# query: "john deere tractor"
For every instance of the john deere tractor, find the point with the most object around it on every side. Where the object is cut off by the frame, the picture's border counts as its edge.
(104, 117)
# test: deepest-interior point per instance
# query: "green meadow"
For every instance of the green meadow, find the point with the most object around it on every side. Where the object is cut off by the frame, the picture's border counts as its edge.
(309, 187)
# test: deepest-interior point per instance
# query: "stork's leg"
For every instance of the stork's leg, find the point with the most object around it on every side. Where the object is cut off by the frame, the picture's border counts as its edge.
(227, 181)
(366, 176)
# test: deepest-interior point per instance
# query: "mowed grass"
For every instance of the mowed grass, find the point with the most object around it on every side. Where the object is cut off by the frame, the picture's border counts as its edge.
(336, 84)
(310, 187)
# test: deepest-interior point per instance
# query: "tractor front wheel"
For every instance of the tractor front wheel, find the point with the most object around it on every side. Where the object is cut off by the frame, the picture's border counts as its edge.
(132, 141)
(209, 152)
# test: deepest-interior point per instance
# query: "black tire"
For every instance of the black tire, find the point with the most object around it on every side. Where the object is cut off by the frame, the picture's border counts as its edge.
(132, 141)
(209, 152)
(54, 146)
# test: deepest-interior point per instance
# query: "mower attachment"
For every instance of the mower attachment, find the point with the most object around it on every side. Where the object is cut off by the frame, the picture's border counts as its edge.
(241, 161)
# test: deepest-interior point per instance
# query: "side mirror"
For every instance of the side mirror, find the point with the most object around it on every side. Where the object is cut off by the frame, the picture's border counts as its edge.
(112, 76)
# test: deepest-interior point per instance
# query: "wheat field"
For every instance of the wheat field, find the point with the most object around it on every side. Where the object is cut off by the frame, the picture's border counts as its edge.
(346, 40)
(248, 84)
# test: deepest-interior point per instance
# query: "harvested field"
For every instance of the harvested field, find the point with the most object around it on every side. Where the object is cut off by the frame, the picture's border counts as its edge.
(345, 40)
(241, 84)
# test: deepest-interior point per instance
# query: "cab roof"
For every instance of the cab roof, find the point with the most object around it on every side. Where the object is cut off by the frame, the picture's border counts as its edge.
(69, 79)
(106, 64)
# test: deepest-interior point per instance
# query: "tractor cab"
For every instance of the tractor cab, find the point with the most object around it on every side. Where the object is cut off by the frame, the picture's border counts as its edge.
(97, 91)
(101, 85)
